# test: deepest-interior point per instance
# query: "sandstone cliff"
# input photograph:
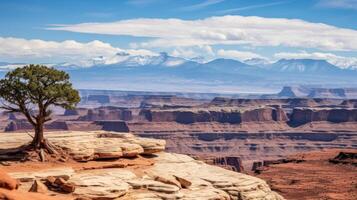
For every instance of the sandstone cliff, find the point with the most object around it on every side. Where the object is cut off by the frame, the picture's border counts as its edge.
(164, 176)
(303, 116)
(229, 115)
(107, 113)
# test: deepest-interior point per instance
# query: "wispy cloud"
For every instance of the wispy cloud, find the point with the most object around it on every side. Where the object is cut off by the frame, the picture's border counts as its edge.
(225, 30)
(343, 4)
(232, 10)
(201, 5)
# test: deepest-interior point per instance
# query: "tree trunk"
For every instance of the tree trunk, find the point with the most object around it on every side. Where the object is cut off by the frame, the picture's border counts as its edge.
(39, 140)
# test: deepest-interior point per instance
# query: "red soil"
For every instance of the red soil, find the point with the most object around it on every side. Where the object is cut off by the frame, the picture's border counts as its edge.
(315, 178)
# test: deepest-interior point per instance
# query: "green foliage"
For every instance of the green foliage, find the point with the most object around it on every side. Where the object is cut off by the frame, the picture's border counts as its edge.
(37, 86)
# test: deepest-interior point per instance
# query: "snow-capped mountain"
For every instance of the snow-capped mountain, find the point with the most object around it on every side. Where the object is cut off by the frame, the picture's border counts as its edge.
(303, 66)
(199, 59)
(257, 61)
(126, 60)
(163, 59)
(162, 70)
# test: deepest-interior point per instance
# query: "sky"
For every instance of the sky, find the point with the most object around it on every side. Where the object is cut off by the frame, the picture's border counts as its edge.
(40, 31)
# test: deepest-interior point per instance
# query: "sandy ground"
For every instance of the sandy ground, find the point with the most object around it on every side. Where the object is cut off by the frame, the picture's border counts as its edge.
(315, 178)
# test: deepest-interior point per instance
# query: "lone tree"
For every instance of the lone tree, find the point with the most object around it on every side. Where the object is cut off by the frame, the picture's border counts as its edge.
(32, 90)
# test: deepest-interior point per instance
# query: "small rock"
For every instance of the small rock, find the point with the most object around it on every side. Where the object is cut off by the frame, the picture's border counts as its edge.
(39, 187)
(50, 180)
(60, 181)
(184, 182)
(65, 186)
(68, 187)
(168, 180)
(7, 182)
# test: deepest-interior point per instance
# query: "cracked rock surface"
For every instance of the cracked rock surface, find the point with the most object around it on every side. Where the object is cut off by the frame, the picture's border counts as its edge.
(171, 176)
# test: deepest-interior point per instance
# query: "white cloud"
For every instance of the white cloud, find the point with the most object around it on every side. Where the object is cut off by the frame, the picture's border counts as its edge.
(23, 50)
(226, 30)
(344, 4)
(340, 61)
(194, 52)
(239, 55)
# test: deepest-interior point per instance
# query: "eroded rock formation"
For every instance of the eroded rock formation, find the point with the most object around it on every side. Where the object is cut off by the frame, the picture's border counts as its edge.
(230, 115)
(170, 176)
(107, 113)
(303, 116)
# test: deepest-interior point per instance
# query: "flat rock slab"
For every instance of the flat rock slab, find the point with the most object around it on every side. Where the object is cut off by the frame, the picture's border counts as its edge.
(105, 183)
(172, 176)
(93, 145)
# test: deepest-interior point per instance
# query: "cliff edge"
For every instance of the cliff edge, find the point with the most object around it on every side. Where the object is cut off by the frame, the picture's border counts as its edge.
(111, 165)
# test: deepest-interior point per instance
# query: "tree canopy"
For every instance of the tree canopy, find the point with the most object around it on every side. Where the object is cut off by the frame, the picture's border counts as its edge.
(32, 89)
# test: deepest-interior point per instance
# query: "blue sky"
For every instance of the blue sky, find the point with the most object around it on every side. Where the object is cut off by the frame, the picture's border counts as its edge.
(23, 21)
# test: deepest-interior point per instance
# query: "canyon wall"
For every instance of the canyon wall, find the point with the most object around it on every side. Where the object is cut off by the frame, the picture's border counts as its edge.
(107, 113)
(301, 116)
(253, 146)
(233, 116)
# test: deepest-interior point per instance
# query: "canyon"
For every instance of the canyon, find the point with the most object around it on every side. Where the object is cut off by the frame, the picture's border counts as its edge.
(243, 135)
(229, 132)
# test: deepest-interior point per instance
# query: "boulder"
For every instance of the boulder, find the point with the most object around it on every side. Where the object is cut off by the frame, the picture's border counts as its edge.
(167, 180)
(39, 187)
(7, 182)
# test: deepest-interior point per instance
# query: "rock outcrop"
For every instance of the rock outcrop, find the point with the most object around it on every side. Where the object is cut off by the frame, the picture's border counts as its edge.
(107, 113)
(171, 176)
(233, 163)
(303, 116)
(113, 125)
(230, 115)
(345, 157)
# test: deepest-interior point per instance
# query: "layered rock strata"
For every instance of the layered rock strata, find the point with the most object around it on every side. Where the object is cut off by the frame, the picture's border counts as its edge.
(229, 115)
(172, 176)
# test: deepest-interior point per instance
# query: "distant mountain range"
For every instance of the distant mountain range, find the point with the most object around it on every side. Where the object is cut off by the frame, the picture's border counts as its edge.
(167, 73)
